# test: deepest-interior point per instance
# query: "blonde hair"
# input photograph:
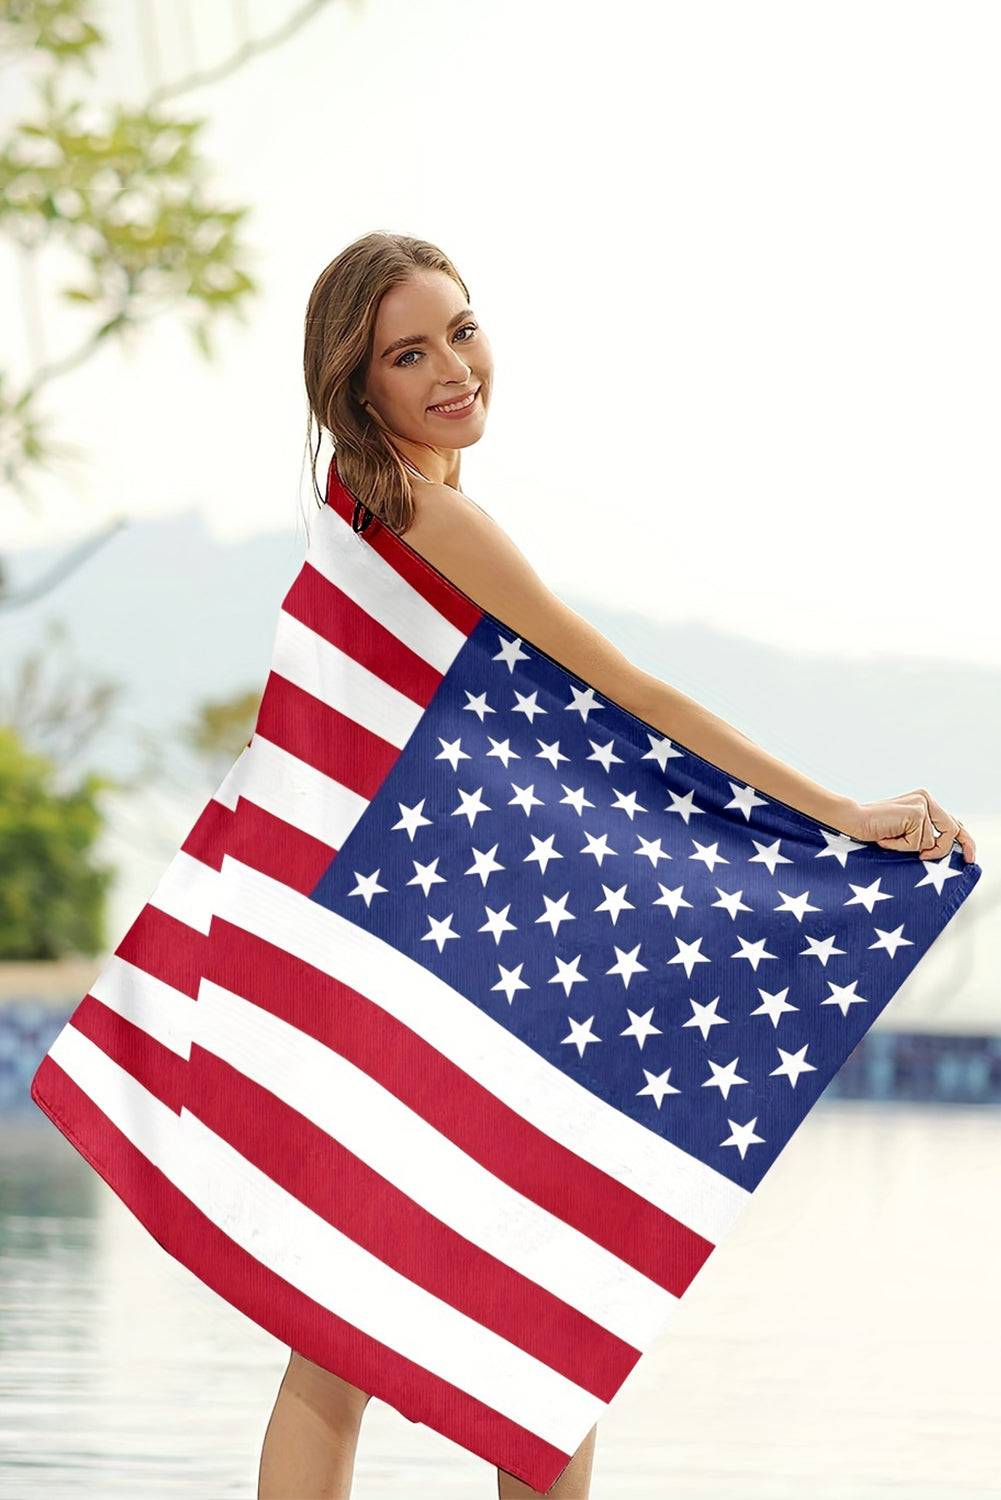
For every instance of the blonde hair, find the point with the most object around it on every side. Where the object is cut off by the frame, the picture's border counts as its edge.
(339, 335)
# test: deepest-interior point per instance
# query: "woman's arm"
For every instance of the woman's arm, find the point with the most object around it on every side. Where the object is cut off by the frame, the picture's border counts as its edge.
(471, 549)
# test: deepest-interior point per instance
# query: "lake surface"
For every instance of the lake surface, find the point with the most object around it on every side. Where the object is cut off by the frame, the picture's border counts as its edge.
(842, 1342)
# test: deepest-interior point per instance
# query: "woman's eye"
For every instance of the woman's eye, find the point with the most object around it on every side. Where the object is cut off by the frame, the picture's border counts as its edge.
(471, 326)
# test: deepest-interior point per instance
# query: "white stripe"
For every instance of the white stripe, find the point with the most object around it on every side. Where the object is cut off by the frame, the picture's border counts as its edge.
(352, 564)
(395, 1141)
(296, 792)
(299, 1245)
(554, 1103)
(166, 1014)
(186, 890)
(329, 674)
(229, 787)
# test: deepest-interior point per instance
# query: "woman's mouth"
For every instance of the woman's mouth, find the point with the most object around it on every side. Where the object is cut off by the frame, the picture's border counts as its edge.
(455, 409)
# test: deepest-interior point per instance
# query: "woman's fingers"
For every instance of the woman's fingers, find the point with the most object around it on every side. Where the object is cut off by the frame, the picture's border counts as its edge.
(967, 844)
(941, 830)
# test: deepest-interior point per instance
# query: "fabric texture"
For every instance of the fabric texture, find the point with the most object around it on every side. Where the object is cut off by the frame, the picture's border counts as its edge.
(472, 1009)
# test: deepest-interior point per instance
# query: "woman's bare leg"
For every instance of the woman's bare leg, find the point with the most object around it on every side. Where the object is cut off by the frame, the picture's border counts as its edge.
(573, 1484)
(309, 1446)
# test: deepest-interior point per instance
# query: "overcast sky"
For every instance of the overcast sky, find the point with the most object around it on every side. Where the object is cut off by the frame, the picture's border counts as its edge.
(748, 254)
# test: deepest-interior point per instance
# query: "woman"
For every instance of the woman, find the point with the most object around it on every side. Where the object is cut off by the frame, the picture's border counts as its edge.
(400, 373)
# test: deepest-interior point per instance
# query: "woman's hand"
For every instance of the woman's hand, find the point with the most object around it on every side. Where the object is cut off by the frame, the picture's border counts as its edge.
(912, 821)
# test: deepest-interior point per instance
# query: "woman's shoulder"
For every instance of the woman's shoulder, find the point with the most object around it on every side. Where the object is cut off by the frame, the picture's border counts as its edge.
(441, 503)
(460, 540)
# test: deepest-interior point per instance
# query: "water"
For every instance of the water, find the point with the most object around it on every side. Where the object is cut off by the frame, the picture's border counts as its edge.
(841, 1343)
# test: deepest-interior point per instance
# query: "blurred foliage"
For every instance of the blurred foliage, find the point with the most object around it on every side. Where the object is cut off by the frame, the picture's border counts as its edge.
(122, 191)
(47, 700)
(123, 202)
(52, 895)
(60, 27)
(221, 728)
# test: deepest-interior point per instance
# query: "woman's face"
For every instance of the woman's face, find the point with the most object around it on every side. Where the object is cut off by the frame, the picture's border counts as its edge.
(429, 349)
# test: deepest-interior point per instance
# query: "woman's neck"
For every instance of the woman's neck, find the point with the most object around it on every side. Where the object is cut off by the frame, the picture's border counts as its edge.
(439, 467)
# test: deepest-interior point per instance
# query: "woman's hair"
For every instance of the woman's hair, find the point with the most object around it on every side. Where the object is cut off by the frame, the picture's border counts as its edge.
(340, 329)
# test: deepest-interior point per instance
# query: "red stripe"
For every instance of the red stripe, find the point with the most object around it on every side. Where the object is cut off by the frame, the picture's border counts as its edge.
(161, 1071)
(327, 1177)
(259, 839)
(503, 1141)
(432, 585)
(289, 1315)
(357, 1200)
(323, 737)
(168, 949)
(331, 613)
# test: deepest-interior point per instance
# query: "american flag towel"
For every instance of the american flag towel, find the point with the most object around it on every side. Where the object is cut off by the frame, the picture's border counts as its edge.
(472, 1010)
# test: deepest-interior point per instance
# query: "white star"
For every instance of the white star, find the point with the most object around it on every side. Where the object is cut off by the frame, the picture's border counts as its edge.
(732, 902)
(745, 798)
(567, 974)
(550, 752)
(838, 846)
(657, 1086)
(583, 702)
(724, 1077)
(798, 905)
(615, 902)
(742, 1136)
(452, 751)
(478, 705)
(868, 895)
(581, 1034)
(773, 1004)
(937, 872)
(768, 854)
(792, 1065)
(524, 796)
(426, 875)
(367, 887)
(843, 995)
(626, 802)
(708, 854)
(821, 948)
(598, 845)
(527, 705)
(604, 754)
(640, 1027)
(484, 865)
(502, 750)
(497, 924)
(440, 930)
(470, 804)
(543, 851)
(556, 912)
(671, 897)
(627, 964)
(510, 980)
(412, 818)
(683, 805)
(661, 750)
(510, 652)
(753, 952)
(651, 850)
(891, 941)
(689, 955)
(704, 1016)
(576, 799)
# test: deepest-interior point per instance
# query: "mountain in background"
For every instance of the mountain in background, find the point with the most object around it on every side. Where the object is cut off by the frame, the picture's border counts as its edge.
(178, 616)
